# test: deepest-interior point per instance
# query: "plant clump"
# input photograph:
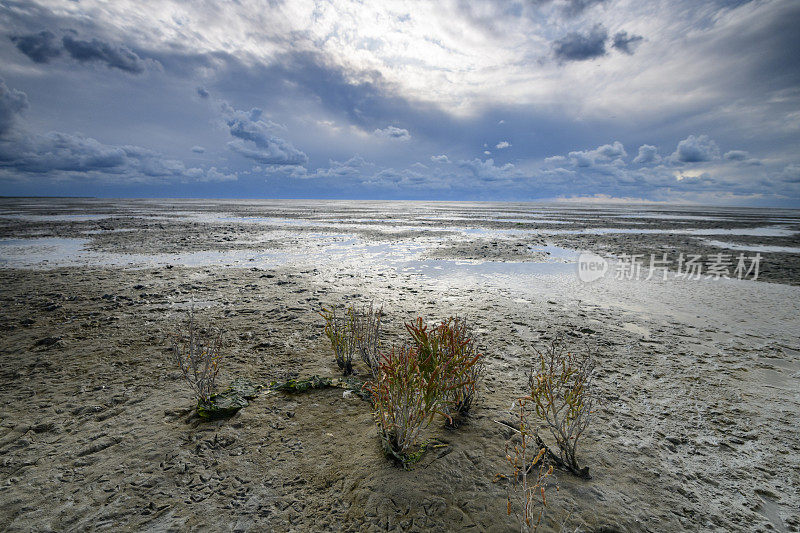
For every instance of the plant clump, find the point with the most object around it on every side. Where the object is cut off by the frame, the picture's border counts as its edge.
(367, 328)
(356, 331)
(197, 350)
(530, 471)
(562, 396)
(450, 345)
(405, 399)
(437, 373)
(340, 330)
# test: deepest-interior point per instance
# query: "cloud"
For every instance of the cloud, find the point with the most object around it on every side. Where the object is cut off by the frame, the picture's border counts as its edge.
(58, 155)
(736, 155)
(604, 154)
(502, 144)
(440, 159)
(578, 46)
(111, 56)
(696, 149)
(647, 154)
(625, 43)
(211, 175)
(356, 168)
(43, 46)
(39, 47)
(611, 151)
(573, 8)
(721, 68)
(392, 132)
(741, 158)
(488, 171)
(791, 173)
(254, 140)
(12, 103)
(601, 198)
(198, 149)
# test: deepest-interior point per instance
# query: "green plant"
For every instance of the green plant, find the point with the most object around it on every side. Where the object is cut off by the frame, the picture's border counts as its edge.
(197, 351)
(450, 345)
(530, 472)
(366, 323)
(354, 331)
(562, 396)
(405, 399)
(341, 332)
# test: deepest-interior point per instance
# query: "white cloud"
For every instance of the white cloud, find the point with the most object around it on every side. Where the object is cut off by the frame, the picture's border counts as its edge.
(647, 154)
(392, 132)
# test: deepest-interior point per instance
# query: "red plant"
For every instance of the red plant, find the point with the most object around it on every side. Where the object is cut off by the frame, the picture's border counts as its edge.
(414, 382)
(450, 345)
(405, 399)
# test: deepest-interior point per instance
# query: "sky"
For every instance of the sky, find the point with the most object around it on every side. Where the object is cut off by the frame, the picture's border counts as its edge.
(594, 100)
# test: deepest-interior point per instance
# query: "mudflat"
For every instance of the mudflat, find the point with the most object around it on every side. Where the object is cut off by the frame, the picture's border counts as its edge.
(698, 379)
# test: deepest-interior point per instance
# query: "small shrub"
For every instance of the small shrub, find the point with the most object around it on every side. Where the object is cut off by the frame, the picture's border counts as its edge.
(530, 472)
(562, 395)
(450, 345)
(340, 331)
(197, 351)
(367, 328)
(405, 399)
(355, 331)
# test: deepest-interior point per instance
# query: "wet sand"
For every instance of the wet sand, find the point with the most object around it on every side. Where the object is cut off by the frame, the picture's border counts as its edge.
(699, 381)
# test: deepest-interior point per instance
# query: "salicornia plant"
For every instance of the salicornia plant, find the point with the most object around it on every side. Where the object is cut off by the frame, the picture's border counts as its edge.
(367, 328)
(354, 331)
(197, 351)
(530, 472)
(405, 400)
(339, 328)
(562, 396)
(451, 345)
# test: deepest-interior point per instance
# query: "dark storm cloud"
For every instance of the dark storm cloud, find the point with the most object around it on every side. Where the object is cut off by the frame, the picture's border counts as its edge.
(577, 46)
(12, 103)
(43, 46)
(696, 149)
(254, 139)
(112, 56)
(626, 43)
(39, 47)
(364, 99)
(332, 110)
(57, 154)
